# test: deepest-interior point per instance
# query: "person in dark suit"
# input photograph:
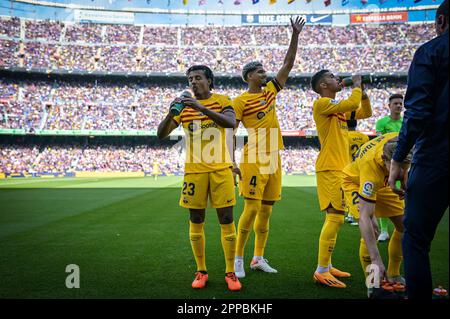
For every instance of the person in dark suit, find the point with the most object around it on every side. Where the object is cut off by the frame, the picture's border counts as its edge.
(425, 127)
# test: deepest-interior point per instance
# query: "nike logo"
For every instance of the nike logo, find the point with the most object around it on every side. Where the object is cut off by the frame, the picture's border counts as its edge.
(316, 19)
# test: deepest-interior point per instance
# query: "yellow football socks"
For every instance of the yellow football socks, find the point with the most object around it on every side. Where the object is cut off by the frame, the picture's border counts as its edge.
(395, 254)
(328, 237)
(261, 228)
(228, 238)
(251, 208)
(364, 256)
(197, 238)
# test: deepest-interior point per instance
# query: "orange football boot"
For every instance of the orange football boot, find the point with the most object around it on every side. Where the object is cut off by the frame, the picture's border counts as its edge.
(233, 282)
(339, 273)
(328, 279)
(200, 280)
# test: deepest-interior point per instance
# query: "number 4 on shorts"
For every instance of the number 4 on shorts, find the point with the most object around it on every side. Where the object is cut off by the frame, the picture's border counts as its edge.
(253, 181)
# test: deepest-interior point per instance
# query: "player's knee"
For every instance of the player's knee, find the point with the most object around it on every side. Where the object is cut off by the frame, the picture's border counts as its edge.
(197, 217)
(225, 217)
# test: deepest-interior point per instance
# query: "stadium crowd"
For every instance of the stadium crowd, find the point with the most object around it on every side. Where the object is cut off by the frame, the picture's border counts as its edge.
(104, 105)
(19, 159)
(129, 48)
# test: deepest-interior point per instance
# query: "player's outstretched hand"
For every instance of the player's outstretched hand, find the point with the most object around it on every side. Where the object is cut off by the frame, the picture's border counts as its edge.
(297, 25)
(381, 268)
(397, 173)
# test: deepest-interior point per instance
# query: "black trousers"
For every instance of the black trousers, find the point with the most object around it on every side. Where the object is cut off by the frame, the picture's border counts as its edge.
(426, 202)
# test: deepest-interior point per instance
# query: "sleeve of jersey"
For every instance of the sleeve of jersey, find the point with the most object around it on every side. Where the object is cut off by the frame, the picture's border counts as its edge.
(238, 106)
(328, 106)
(274, 86)
(177, 119)
(379, 126)
(226, 104)
(365, 110)
(368, 185)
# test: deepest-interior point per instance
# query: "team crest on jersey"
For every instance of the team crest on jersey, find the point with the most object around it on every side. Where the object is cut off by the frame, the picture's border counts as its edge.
(192, 127)
(252, 192)
(367, 189)
(185, 201)
(260, 115)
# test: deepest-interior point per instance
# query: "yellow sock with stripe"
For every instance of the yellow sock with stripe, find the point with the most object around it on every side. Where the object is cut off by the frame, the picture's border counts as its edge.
(327, 239)
(395, 254)
(228, 238)
(197, 239)
(251, 208)
(261, 228)
(364, 256)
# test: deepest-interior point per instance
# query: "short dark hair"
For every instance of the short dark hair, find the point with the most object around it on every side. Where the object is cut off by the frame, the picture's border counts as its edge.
(352, 123)
(395, 96)
(315, 80)
(443, 10)
(208, 73)
(250, 67)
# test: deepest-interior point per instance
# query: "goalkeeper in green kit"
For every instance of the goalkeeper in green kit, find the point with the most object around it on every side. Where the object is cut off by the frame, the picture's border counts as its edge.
(391, 123)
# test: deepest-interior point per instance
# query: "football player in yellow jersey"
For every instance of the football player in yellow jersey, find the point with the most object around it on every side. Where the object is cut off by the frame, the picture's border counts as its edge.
(368, 196)
(355, 140)
(260, 166)
(331, 117)
(208, 168)
(155, 170)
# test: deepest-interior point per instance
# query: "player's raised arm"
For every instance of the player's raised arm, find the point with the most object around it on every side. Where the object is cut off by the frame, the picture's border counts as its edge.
(168, 124)
(365, 109)
(289, 59)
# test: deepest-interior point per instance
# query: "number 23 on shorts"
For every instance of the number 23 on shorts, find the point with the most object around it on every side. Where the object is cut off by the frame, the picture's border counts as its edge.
(188, 189)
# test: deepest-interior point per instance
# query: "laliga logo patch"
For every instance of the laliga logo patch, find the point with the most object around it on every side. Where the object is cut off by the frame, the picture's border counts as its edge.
(367, 189)
(260, 115)
(262, 102)
(334, 101)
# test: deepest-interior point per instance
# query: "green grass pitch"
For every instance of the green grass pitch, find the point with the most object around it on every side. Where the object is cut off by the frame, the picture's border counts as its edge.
(130, 239)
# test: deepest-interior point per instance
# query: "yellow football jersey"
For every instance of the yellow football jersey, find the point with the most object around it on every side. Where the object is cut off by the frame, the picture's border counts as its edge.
(206, 147)
(331, 124)
(155, 168)
(257, 112)
(355, 140)
(368, 170)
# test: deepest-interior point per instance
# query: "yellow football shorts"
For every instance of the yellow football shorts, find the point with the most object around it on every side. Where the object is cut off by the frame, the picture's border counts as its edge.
(218, 186)
(387, 204)
(262, 182)
(329, 190)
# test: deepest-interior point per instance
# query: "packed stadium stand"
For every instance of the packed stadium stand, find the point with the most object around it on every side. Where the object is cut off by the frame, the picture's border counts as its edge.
(124, 48)
(45, 103)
